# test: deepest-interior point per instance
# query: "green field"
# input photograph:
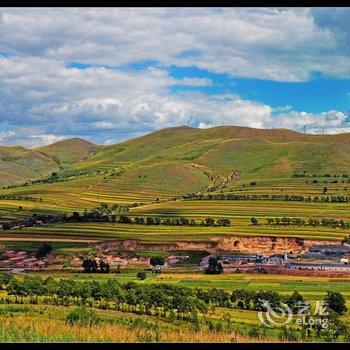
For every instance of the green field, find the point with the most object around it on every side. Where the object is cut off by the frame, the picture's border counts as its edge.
(239, 212)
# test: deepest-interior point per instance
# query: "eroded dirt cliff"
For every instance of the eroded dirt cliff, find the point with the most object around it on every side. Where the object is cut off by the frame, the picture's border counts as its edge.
(233, 243)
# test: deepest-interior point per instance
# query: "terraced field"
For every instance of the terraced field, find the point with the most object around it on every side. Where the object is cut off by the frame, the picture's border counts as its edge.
(147, 172)
(92, 232)
(246, 209)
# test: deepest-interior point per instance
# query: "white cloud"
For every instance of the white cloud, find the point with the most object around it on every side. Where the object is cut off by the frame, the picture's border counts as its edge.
(7, 135)
(202, 125)
(42, 101)
(283, 45)
(331, 122)
(45, 139)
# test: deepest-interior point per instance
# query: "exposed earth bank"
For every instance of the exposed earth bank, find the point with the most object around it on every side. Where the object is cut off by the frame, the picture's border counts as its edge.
(233, 243)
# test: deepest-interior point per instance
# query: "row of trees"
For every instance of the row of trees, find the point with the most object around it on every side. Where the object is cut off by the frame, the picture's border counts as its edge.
(95, 216)
(20, 198)
(160, 297)
(268, 197)
(287, 221)
(174, 302)
(251, 300)
(35, 220)
(304, 174)
(315, 181)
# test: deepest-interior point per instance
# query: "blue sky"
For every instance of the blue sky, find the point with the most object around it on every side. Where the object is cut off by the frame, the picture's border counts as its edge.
(318, 94)
(108, 75)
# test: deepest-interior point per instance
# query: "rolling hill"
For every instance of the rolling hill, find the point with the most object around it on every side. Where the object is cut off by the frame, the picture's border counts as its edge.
(177, 161)
(68, 152)
(18, 164)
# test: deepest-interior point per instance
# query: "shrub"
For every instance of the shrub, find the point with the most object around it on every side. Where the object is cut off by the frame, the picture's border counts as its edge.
(82, 317)
(141, 275)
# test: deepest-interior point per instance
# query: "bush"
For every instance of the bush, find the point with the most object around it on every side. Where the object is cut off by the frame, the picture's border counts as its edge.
(141, 275)
(258, 332)
(336, 302)
(82, 317)
(215, 267)
(157, 261)
(288, 334)
(43, 250)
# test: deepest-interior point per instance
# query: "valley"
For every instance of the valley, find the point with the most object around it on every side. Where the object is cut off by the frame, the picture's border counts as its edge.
(184, 195)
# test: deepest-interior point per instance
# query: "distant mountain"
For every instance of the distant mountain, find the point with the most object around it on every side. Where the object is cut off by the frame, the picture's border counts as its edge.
(18, 164)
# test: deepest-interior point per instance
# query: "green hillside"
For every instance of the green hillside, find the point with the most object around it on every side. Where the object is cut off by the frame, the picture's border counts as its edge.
(68, 152)
(18, 164)
(176, 161)
(252, 152)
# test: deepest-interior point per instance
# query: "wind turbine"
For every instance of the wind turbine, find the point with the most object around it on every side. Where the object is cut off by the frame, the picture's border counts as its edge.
(304, 128)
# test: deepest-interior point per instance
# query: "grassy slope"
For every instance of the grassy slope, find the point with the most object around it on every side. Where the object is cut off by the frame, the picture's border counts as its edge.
(256, 154)
(160, 165)
(69, 151)
(18, 164)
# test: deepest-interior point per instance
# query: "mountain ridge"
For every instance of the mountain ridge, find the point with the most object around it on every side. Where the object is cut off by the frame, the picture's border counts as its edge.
(167, 156)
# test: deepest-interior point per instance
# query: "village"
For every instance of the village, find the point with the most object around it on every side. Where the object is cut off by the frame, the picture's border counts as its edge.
(324, 260)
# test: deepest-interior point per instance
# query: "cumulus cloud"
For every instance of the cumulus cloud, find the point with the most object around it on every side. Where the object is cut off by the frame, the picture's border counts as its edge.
(283, 45)
(44, 98)
(336, 21)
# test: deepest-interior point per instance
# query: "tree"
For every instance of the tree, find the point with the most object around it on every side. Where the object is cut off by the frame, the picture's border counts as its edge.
(335, 302)
(6, 226)
(118, 270)
(139, 220)
(325, 189)
(141, 275)
(75, 216)
(90, 265)
(149, 220)
(214, 268)
(5, 279)
(209, 222)
(157, 261)
(335, 328)
(254, 221)
(87, 265)
(294, 301)
(43, 250)
(124, 219)
(104, 267)
(223, 222)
